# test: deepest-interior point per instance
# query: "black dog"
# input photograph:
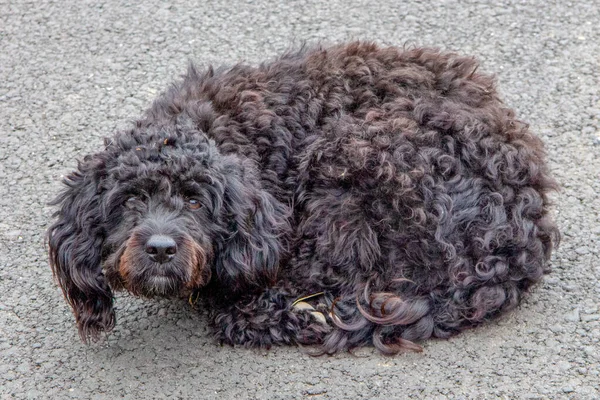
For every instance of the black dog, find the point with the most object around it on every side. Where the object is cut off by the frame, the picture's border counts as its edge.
(391, 188)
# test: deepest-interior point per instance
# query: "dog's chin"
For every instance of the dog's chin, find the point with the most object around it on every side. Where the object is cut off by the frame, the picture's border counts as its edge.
(158, 280)
(159, 286)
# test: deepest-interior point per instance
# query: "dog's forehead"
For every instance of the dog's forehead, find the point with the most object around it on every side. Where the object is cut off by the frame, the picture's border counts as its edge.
(160, 156)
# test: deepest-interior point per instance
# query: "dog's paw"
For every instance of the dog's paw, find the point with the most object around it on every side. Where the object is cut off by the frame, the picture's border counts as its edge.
(314, 321)
(318, 316)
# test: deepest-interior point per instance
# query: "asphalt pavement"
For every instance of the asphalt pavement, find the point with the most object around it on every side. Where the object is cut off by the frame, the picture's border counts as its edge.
(73, 72)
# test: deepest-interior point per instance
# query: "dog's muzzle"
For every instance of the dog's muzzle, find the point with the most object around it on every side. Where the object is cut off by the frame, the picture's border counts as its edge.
(162, 264)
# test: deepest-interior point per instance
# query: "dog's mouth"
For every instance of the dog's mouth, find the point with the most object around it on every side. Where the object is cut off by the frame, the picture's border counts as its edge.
(140, 271)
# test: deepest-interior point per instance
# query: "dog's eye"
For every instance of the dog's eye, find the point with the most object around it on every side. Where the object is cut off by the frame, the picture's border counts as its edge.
(193, 203)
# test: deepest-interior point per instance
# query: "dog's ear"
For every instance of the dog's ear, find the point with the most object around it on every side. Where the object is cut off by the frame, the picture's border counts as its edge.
(249, 252)
(75, 245)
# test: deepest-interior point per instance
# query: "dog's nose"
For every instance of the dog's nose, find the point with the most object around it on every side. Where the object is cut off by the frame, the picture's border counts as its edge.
(161, 248)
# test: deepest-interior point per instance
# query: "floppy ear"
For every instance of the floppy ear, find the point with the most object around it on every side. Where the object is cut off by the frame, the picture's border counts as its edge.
(75, 245)
(249, 252)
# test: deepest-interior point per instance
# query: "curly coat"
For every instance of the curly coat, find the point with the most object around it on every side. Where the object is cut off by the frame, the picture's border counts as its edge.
(392, 185)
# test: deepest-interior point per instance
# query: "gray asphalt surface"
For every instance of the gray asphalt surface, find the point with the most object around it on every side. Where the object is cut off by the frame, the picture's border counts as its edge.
(72, 72)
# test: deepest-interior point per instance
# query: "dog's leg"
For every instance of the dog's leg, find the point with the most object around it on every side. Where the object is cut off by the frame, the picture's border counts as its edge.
(267, 318)
(344, 251)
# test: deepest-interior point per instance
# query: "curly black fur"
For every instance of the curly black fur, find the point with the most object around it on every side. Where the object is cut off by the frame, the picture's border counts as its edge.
(393, 181)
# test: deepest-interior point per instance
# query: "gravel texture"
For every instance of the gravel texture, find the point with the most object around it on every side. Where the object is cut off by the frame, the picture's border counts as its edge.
(72, 72)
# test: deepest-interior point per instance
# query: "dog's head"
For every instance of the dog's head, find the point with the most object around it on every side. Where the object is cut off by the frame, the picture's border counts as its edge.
(161, 212)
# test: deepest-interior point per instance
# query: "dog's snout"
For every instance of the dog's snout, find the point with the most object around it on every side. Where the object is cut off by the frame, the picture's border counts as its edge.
(161, 248)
